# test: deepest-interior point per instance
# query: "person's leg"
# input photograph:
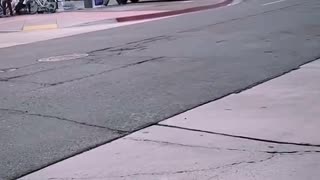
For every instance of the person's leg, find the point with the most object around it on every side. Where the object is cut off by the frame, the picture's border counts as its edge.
(10, 7)
(18, 7)
(28, 6)
(4, 7)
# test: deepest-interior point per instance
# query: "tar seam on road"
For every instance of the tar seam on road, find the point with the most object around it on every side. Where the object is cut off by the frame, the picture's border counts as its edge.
(48, 85)
(14, 111)
(103, 72)
(241, 137)
(28, 74)
(135, 43)
(17, 68)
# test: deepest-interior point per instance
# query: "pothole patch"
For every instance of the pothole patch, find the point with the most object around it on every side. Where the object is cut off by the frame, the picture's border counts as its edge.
(63, 57)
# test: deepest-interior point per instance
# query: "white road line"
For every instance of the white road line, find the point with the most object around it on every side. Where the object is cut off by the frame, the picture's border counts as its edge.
(274, 2)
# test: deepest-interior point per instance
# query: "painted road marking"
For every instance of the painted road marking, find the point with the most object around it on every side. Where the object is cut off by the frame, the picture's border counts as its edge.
(274, 2)
(40, 27)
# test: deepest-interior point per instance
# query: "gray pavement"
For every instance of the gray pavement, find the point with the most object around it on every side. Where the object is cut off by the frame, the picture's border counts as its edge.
(163, 153)
(141, 74)
(285, 109)
(266, 132)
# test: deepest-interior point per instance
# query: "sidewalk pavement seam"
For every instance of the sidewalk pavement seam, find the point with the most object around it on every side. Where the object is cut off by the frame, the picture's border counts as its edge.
(24, 23)
(218, 148)
(241, 137)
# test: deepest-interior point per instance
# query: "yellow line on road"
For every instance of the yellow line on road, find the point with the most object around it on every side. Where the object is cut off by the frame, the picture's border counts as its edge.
(40, 27)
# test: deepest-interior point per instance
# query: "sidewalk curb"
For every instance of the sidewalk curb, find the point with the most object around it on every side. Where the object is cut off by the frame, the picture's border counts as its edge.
(129, 18)
(40, 27)
(174, 12)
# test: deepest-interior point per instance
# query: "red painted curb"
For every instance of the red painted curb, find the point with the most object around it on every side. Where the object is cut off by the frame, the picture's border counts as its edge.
(171, 13)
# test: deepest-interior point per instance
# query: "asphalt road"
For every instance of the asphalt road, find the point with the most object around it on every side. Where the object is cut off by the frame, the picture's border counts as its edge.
(141, 74)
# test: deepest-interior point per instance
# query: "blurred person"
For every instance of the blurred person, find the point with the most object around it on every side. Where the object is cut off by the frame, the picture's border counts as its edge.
(5, 4)
(20, 6)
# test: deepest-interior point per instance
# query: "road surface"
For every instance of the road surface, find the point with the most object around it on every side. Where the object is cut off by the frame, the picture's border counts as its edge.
(135, 76)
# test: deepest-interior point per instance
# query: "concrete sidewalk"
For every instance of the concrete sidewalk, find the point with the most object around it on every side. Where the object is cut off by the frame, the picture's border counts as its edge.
(267, 132)
(85, 17)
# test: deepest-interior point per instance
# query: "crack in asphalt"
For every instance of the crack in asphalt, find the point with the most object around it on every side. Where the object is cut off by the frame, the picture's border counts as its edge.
(35, 72)
(16, 68)
(241, 137)
(134, 45)
(47, 85)
(23, 112)
(25, 75)
(119, 50)
(100, 50)
(103, 72)
(149, 40)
